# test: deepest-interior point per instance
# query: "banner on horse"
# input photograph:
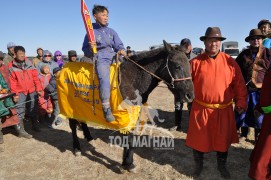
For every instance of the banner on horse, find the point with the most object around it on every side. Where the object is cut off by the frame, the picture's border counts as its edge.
(75, 98)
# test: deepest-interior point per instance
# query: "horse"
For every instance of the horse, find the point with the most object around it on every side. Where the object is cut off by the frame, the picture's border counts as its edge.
(141, 73)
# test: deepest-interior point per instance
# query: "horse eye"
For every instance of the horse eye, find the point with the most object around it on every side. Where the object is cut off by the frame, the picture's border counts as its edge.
(178, 67)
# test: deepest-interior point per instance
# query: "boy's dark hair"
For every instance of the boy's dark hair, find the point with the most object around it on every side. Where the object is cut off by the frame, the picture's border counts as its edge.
(19, 48)
(39, 49)
(97, 9)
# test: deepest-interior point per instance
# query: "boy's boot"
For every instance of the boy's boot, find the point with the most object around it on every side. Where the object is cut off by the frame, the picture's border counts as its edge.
(108, 112)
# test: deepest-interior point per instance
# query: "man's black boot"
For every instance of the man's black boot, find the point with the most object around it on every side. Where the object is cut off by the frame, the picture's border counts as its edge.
(221, 165)
(198, 158)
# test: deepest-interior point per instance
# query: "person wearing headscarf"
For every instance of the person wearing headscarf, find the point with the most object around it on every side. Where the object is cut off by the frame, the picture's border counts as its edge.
(58, 58)
(47, 59)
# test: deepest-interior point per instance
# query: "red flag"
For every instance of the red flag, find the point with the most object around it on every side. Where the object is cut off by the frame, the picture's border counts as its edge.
(88, 24)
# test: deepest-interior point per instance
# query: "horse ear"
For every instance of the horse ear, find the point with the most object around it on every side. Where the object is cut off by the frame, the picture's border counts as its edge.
(181, 48)
(167, 46)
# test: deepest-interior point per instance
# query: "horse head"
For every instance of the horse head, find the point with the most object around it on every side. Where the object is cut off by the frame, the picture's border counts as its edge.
(177, 72)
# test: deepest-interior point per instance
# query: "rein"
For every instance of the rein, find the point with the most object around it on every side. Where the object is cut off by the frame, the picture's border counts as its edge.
(172, 78)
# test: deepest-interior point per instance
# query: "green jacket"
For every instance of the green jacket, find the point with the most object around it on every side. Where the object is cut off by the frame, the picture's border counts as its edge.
(7, 102)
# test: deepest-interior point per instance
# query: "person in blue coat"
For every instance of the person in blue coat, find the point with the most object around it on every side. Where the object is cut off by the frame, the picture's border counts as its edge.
(265, 25)
(108, 44)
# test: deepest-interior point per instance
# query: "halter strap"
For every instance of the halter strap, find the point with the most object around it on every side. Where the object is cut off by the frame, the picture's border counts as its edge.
(172, 78)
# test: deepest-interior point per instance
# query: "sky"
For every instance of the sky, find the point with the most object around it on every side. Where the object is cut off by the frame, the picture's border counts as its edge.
(58, 25)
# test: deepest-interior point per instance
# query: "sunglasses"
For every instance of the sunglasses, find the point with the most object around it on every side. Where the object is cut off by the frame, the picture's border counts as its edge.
(73, 56)
(58, 55)
(254, 38)
(47, 56)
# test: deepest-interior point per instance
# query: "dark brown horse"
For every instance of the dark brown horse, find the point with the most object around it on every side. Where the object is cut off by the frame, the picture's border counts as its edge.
(168, 64)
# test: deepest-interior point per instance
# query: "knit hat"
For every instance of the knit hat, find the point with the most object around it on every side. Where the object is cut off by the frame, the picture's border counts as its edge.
(55, 70)
(72, 53)
(11, 44)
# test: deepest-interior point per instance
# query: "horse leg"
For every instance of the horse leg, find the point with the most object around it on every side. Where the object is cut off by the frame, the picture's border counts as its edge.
(128, 154)
(76, 144)
(86, 132)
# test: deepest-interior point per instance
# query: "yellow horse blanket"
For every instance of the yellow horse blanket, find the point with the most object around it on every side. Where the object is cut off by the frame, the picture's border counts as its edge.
(75, 98)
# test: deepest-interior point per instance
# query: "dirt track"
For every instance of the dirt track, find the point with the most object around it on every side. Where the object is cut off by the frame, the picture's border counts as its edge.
(49, 154)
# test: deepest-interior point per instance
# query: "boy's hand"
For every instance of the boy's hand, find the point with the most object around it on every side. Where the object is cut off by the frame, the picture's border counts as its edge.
(92, 44)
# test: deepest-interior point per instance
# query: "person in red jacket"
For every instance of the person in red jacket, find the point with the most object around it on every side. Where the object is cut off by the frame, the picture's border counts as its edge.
(25, 83)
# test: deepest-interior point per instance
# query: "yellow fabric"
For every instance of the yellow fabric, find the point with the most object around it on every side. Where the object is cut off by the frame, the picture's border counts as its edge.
(75, 98)
(213, 106)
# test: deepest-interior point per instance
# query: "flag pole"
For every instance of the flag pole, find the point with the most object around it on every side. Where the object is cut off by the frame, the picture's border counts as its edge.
(91, 37)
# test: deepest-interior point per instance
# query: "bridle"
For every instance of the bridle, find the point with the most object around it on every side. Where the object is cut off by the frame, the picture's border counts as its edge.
(172, 78)
(171, 84)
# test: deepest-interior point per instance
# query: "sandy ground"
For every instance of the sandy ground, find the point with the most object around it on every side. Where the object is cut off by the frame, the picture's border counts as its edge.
(48, 155)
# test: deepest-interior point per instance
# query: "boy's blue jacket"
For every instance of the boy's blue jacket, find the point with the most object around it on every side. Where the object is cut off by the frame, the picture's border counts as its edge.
(108, 43)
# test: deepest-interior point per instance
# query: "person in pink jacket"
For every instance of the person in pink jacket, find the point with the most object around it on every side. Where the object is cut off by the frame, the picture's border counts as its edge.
(45, 102)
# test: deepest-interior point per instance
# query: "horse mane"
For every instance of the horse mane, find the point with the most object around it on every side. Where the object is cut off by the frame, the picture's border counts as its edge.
(146, 57)
(149, 56)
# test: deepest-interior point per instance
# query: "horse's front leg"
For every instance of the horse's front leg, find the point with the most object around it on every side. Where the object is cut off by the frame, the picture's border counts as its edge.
(128, 154)
(86, 132)
(76, 144)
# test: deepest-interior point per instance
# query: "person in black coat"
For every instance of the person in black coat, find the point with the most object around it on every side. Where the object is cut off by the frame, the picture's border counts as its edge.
(51, 89)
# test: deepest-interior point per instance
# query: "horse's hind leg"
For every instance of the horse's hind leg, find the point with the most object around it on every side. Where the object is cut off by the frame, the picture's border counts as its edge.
(86, 132)
(76, 144)
(128, 154)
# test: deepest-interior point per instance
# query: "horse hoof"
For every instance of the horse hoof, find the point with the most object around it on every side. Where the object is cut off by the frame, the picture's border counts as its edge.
(122, 170)
(129, 168)
(77, 152)
(132, 169)
(89, 138)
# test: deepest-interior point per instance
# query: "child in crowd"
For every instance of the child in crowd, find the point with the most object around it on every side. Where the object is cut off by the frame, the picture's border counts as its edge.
(45, 103)
(51, 89)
